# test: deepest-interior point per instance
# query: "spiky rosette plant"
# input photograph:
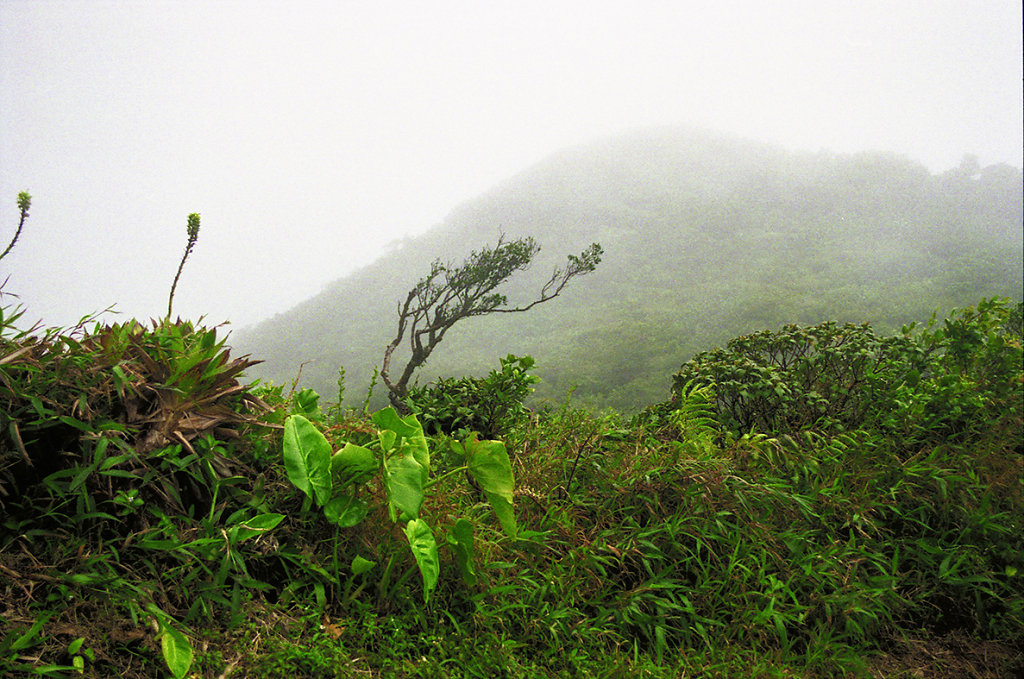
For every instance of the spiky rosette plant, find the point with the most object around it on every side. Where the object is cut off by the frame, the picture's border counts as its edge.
(72, 395)
(71, 400)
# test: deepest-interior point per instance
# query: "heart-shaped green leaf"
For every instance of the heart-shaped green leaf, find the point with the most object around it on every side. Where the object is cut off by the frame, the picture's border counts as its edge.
(403, 479)
(406, 433)
(353, 464)
(461, 540)
(345, 511)
(489, 464)
(424, 549)
(307, 458)
(361, 565)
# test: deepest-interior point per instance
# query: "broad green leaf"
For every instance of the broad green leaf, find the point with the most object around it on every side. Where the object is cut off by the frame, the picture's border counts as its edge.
(388, 418)
(461, 540)
(489, 464)
(353, 464)
(409, 436)
(307, 458)
(387, 439)
(177, 651)
(345, 511)
(307, 404)
(424, 549)
(502, 506)
(258, 524)
(361, 565)
(403, 479)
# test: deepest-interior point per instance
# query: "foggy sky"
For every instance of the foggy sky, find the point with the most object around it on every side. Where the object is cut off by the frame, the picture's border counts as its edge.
(309, 135)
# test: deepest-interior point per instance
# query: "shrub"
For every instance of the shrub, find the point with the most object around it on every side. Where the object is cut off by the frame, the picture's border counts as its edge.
(973, 381)
(827, 376)
(936, 383)
(119, 469)
(489, 405)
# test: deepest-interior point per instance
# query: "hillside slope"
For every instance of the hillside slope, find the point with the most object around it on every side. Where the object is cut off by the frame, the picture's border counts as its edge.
(706, 237)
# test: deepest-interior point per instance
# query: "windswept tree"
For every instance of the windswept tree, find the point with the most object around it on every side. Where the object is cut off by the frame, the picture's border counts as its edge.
(451, 293)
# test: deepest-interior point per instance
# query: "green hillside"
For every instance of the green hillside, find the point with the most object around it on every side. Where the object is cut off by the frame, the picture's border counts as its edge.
(705, 237)
(816, 501)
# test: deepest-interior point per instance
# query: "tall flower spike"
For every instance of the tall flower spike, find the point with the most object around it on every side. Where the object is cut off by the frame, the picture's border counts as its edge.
(193, 228)
(193, 235)
(24, 203)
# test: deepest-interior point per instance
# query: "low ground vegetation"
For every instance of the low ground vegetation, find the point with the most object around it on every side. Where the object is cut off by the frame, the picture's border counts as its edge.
(811, 502)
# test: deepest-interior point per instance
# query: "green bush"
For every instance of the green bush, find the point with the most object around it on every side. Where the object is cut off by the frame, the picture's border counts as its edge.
(971, 387)
(937, 383)
(826, 376)
(488, 405)
(122, 443)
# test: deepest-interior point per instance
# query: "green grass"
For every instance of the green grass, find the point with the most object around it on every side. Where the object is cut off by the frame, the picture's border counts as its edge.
(141, 484)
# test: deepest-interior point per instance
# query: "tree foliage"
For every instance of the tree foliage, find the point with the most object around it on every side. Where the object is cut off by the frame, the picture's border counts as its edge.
(826, 375)
(486, 405)
(919, 386)
(449, 294)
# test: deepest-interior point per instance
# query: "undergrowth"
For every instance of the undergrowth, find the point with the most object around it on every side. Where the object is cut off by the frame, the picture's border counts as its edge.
(813, 503)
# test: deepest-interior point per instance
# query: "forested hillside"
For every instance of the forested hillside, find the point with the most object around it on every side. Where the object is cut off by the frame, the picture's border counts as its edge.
(705, 238)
